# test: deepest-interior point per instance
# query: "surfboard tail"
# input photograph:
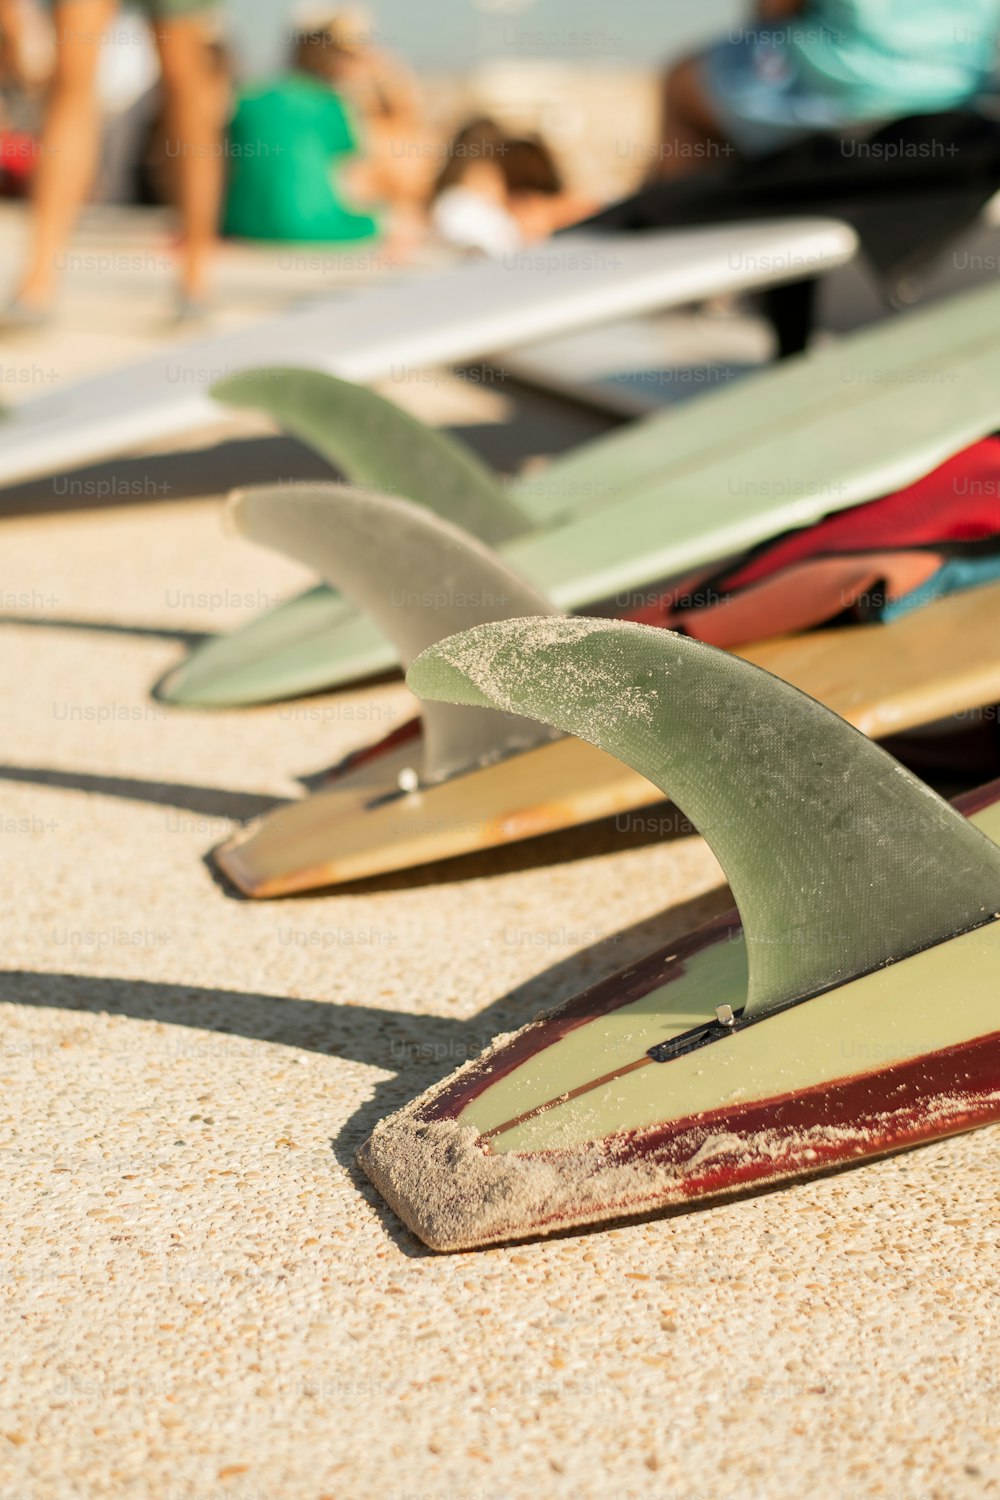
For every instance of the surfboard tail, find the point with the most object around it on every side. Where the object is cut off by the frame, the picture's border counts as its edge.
(849, 1009)
(455, 1191)
(579, 1119)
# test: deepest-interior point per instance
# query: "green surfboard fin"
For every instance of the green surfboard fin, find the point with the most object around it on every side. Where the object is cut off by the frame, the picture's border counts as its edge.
(289, 650)
(839, 859)
(377, 444)
(418, 577)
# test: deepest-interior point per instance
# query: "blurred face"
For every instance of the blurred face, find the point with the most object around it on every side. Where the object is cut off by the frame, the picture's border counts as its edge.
(338, 65)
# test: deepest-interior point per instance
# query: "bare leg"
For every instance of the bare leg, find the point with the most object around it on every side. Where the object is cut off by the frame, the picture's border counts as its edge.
(194, 140)
(690, 136)
(69, 141)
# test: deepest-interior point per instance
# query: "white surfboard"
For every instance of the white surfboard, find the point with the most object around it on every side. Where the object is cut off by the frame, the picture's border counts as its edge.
(569, 283)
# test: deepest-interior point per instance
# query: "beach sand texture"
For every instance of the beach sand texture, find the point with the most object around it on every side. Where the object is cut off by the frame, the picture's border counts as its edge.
(203, 1297)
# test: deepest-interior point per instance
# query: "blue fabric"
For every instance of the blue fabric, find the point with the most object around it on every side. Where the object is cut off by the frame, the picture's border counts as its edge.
(956, 574)
(890, 57)
(756, 97)
(848, 62)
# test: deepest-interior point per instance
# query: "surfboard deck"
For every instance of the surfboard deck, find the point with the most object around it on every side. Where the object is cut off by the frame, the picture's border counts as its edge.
(365, 825)
(574, 1120)
(883, 679)
(416, 321)
(816, 435)
(633, 368)
(283, 653)
(887, 678)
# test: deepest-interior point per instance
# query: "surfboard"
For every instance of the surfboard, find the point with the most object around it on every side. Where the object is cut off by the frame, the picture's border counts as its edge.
(837, 1016)
(516, 1149)
(416, 321)
(884, 679)
(371, 821)
(818, 434)
(633, 368)
(481, 784)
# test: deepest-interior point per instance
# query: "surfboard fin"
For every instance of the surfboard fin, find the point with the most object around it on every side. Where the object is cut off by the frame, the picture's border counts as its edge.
(839, 859)
(377, 444)
(286, 651)
(851, 1014)
(419, 578)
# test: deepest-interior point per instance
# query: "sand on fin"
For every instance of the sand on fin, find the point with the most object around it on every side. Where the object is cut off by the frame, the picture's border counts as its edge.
(839, 859)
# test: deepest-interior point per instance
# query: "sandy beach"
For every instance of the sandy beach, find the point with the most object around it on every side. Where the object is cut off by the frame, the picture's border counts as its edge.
(204, 1299)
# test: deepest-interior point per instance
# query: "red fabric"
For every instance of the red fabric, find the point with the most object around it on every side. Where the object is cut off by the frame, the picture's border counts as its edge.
(17, 153)
(816, 573)
(957, 502)
(804, 595)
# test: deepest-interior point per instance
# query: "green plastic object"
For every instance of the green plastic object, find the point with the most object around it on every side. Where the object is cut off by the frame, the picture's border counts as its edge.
(812, 436)
(288, 650)
(377, 444)
(418, 577)
(280, 654)
(839, 859)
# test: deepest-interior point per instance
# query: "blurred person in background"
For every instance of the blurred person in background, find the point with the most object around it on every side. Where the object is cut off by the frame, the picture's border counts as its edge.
(154, 161)
(497, 194)
(803, 66)
(537, 194)
(293, 140)
(469, 200)
(398, 149)
(26, 57)
(379, 155)
(68, 148)
(26, 47)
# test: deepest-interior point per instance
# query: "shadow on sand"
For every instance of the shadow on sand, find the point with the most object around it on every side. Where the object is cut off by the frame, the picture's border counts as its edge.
(417, 1050)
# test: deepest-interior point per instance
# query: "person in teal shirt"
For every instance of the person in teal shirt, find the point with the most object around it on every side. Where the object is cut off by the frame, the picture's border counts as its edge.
(287, 140)
(812, 65)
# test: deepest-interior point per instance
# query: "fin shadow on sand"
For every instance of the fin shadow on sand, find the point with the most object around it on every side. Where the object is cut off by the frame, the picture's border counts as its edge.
(208, 801)
(195, 474)
(189, 638)
(420, 1050)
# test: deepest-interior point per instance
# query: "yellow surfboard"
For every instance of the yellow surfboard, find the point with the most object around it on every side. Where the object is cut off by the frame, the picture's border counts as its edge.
(883, 679)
